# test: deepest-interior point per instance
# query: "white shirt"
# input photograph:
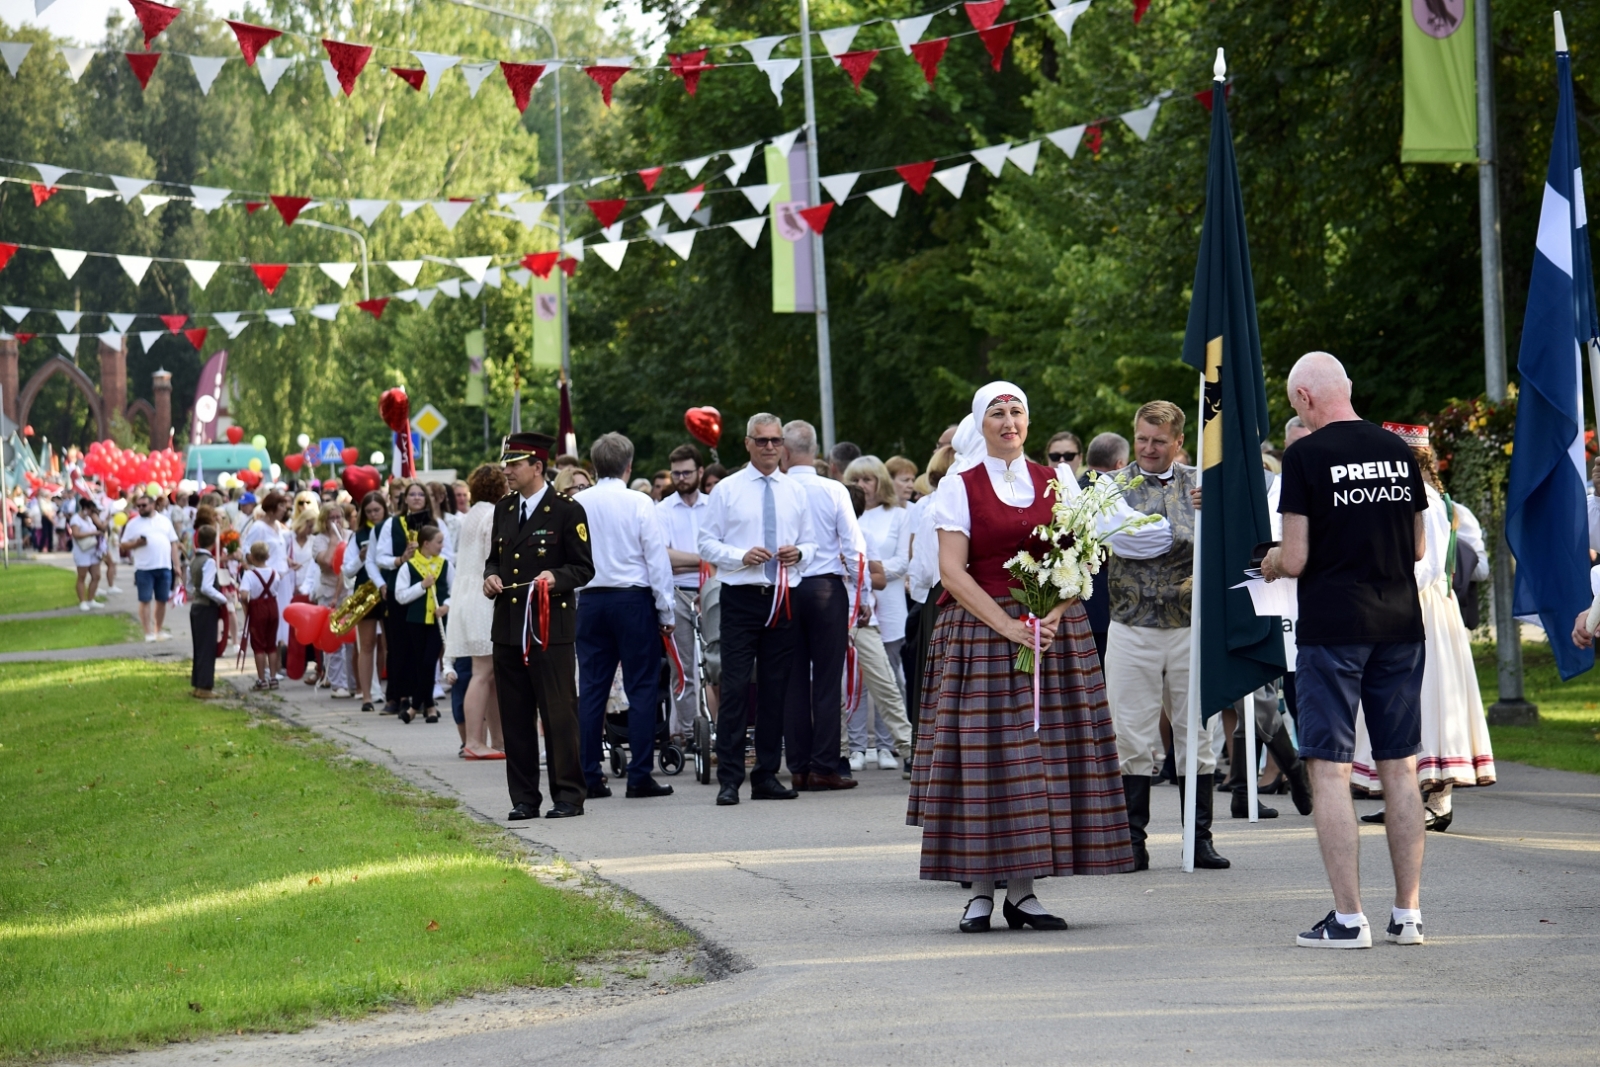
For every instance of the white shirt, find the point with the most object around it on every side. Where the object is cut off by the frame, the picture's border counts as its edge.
(266, 531)
(950, 502)
(156, 553)
(732, 525)
(1144, 542)
(680, 525)
(630, 551)
(1470, 530)
(386, 559)
(924, 572)
(888, 537)
(833, 523)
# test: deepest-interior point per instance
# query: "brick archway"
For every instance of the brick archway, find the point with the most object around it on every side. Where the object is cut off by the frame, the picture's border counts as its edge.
(61, 365)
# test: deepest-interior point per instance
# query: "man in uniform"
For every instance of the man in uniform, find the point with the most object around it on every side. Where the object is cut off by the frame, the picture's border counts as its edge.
(539, 554)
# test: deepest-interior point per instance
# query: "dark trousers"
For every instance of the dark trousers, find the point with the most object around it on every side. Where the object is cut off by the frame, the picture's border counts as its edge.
(417, 669)
(746, 641)
(1100, 645)
(396, 648)
(204, 616)
(543, 690)
(618, 626)
(812, 701)
(927, 619)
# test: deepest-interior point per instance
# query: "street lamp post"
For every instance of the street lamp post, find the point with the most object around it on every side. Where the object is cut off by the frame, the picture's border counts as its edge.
(366, 290)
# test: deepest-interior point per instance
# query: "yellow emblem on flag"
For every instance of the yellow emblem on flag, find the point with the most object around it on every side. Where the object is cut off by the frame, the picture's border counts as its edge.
(1211, 416)
(583, 532)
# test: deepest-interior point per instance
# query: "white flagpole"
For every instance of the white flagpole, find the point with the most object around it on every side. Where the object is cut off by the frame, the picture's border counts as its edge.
(1245, 762)
(1191, 762)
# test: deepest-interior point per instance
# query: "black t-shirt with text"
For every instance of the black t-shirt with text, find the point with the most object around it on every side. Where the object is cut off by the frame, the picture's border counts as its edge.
(1359, 486)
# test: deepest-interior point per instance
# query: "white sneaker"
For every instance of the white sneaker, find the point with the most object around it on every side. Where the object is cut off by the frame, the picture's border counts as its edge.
(83, 605)
(1406, 933)
(113, 589)
(149, 639)
(858, 760)
(164, 635)
(341, 693)
(1330, 933)
(887, 760)
(97, 603)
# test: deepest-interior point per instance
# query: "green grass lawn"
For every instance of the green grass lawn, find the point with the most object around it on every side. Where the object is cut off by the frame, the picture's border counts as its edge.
(36, 587)
(170, 869)
(68, 631)
(1568, 735)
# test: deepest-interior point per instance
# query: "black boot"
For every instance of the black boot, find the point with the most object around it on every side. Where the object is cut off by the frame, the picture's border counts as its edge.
(1294, 769)
(1136, 792)
(1169, 770)
(1241, 804)
(1205, 853)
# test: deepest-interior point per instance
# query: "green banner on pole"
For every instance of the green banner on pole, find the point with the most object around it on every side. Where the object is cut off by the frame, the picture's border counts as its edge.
(1438, 50)
(475, 353)
(793, 287)
(546, 321)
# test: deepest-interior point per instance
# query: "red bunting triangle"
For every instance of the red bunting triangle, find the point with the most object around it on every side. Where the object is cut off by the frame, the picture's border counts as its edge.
(1092, 136)
(253, 206)
(522, 77)
(41, 193)
(348, 60)
(606, 78)
(817, 217)
(374, 307)
(540, 262)
(995, 39)
(569, 266)
(143, 65)
(6, 252)
(1139, 8)
(649, 175)
(689, 66)
(173, 323)
(916, 174)
(24, 338)
(289, 207)
(153, 17)
(855, 64)
(928, 53)
(252, 38)
(197, 335)
(606, 210)
(412, 76)
(270, 274)
(983, 14)
(1204, 96)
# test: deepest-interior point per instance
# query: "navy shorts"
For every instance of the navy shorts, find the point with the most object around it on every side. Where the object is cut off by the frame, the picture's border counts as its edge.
(1386, 679)
(153, 585)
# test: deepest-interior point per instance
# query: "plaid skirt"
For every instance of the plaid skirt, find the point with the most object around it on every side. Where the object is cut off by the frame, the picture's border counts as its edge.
(994, 799)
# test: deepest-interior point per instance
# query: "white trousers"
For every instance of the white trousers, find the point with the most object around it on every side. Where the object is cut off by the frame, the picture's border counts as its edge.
(1147, 676)
(881, 683)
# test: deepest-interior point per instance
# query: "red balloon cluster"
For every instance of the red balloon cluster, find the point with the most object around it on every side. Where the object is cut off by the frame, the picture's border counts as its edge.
(250, 478)
(310, 625)
(118, 467)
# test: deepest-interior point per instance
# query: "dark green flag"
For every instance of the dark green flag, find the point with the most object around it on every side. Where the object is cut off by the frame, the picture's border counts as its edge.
(1240, 651)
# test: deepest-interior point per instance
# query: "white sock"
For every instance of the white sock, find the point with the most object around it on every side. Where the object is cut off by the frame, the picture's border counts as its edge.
(1406, 915)
(1439, 803)
(982, 902)
(1020, 895)
(1354, 919)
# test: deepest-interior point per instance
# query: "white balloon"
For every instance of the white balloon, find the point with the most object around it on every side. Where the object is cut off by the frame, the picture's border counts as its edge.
(304, 439)
(377, 459)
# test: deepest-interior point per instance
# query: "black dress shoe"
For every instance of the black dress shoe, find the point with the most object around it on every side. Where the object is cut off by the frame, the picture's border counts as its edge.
(648, 788)
(773, 790)
(523, 811)
(1141, 858)
(727, 796)
(405, 714)
(1207, 858)
(1016, 918)
(563, 810)
(978, 924)
(1376, 817)
(601, 790)
(1241, 807)
(1438, 823)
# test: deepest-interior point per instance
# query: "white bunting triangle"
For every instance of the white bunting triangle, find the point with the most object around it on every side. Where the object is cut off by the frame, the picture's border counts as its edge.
(77, 61)
(17, 314)
(1066, 14)
(1024, 157)
(910, 31)
(435, 63)
(1141, 120)
(325, 312)
(206, 69)
(335, 90)
(148, 338)
(888, 198)
(201, 270)
(405, 269)
(474, 266)
(69, 341)
(491, 278)
(69, 260)
(135, 266)
(683, 204)
(366, 210)
(507, 199)
(472, 289)
(40, 5)
(151, 201)
(741, 159)
(529, 212)
(281, 317)
(91, 195)
(693, 167)
(129, 188)
(992, 158)
(68, 319)
(1067, 140)
(425, 297)
(226, 319)
(208, 198)
(681, 243)
(612, 252)
(760, 49)
(408, 206)
(272, 70)
(110, 338)
(954, 178)
(408, 295)
(749, 229)
(574, 249)
(759, 195)
(839, 185)
(703, 216)
(474, 73)
(785, 141)
(123, 321)
(451, 287)
(50, 175)
(652, 215)
(14, 52)
(339, 272)
(836, 42)
(521, 275)
(657, 234)
(236, 329)
(777, 71)
(553, 191)
(612, 232)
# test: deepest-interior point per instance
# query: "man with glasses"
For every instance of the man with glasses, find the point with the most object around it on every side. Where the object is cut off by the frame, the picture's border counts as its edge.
(152, 542)
(756, 533)
(680, 512)
(1065, 447)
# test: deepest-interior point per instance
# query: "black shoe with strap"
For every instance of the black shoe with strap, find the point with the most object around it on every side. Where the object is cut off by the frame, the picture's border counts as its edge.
(1016, 918)
(977, 924)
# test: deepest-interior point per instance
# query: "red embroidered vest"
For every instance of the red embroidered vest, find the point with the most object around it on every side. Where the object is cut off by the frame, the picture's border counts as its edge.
(999, 530)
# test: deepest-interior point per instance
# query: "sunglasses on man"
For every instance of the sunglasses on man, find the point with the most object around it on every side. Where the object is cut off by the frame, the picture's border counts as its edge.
(1062, 457)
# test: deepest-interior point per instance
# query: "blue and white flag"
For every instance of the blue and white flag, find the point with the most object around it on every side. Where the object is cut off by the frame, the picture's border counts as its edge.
(1546, 509)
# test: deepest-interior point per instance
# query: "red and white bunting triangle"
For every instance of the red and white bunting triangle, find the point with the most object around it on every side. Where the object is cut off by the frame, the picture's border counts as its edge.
(206, 69)
(197, 335)
(909, 31)
(272, 70)
(77, 60)
(14, 52)
(474, 74)
(681, 243)
(153, 17)
(348, 61)
(1068, 14)
(984, 12)
(289, 207)
(252, 39)
(606, 76)
(817, 217)
(173, 323)
(69, 260)
(367, 210)
(649, 176)
(405, 269)
(412, 76)
(928, 54)
(521, 79)
(759, 195)
(339, 272)
(916, 174)
(270, 274)
(995, 39)
(69, 319)
(450, 211)
(839, 185)
(374, 307)
(856, 64)
(1067, 139)
(992, 158)
(435, 64)
(1024, 157)
(837, 42)
(325, 312)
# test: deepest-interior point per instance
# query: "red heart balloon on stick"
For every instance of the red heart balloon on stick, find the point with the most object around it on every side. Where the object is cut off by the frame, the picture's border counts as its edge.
(704, 425)
(294, 461)
(235, 434)
(350, 454)
(395, 408)
(359, 481)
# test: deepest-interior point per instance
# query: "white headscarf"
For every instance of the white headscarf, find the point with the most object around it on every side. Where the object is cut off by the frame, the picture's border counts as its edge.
(968, 442)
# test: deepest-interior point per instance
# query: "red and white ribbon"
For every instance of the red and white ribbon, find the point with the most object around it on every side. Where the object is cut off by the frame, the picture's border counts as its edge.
(1033, 624)
(780, 597)
(540, 591)
(705, 574)
(681, 683)
(852, 666)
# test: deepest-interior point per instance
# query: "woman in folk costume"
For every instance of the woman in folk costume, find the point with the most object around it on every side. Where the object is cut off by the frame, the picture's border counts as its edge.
(1455, 733)
(997, 800)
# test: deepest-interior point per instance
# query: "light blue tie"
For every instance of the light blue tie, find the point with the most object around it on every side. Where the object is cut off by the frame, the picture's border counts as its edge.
(769, 528)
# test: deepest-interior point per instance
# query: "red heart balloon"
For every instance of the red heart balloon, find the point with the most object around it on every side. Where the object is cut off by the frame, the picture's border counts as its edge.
(294, 461)
(704, 425)
(235, 434)
(359, 481)
(350, 454)
(395, 408)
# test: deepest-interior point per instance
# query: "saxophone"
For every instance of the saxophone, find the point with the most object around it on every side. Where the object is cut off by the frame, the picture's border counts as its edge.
(356, 606)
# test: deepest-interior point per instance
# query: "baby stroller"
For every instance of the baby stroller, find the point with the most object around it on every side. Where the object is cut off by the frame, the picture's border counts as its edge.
(703, 739)
(668, 755)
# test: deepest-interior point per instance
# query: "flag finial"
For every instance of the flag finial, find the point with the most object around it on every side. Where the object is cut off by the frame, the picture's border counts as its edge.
(1219, 69)
(1561, 34)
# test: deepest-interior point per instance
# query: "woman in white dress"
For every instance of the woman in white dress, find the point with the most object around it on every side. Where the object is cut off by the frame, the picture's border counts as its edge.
(1455, 734)
(878, 641)
(87, 530)
(471, 616)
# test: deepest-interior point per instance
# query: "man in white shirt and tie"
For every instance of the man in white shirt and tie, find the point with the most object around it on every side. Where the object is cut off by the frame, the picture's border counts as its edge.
(623, 614)
(822, 615)
(757, 533)
(680, 512)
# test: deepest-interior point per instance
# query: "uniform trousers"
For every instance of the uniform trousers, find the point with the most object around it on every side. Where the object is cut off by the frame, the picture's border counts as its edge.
(746, 641)
(204, 615)
(1147, 673)
(543, 690)
(618, 626)
(811, 704)
(686, 706)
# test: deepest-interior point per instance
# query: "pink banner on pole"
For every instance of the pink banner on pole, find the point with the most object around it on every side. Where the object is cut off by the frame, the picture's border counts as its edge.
(208, 400)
